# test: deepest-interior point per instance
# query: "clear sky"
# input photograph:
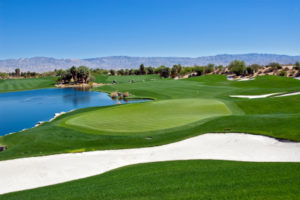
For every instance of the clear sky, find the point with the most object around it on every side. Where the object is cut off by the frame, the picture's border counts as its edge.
(95, 28)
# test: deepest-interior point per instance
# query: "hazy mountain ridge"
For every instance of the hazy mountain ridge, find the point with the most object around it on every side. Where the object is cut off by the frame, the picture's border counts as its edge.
(42, 64)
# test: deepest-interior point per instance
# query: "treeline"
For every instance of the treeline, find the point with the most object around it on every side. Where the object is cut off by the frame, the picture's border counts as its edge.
(83, 74)
(236, 68)
(18, 74)
(163, 71)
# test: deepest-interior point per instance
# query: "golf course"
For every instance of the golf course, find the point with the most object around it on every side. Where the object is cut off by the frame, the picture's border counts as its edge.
(173, 110)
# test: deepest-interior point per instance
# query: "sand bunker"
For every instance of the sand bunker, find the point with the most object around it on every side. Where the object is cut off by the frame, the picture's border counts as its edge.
(255, 96)
(288, 94)
(26, 173)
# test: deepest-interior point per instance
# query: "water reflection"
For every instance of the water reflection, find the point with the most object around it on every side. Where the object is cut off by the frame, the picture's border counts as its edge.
(19, 110)
(76, 98)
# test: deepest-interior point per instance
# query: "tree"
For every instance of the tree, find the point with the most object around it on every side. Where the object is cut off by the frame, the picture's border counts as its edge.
(74, 72)
(178, 68)
(17, 71)
(199, 70)
(131, 72)
(121, 72)
(150, 70)
(59, 72)
(83, 74)
(237, 67)
(126, 72)
(209, 68)
(249, 70)
(274, 66)
(255, 67)
(164, 71)
(112, 72)
(282, 73)
(297, 66)
(173, 72)
(66, 76)
(142, 69)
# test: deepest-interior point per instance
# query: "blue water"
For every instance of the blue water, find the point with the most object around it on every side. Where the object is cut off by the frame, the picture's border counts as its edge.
(22, 110)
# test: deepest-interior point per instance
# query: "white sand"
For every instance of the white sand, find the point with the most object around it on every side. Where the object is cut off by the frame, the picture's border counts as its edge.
(245, 79)
(254, 96)
(288, 94)
(26, 173)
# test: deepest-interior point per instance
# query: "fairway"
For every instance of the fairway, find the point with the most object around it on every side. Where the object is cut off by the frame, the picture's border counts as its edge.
(11, 85)
(149, 116)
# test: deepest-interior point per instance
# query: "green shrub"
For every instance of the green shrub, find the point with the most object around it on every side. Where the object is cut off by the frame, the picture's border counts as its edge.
(237, 67)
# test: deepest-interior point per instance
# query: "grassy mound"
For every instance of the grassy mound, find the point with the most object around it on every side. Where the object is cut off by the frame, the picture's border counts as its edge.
(148, 116)
(197, 179)
(11, 85)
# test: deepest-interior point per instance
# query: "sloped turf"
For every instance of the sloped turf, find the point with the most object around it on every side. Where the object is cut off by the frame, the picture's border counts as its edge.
(193, 180)
(149, 116)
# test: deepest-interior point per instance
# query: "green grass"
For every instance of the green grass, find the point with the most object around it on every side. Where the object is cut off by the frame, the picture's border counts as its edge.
(12, 85)
(193, 180)
(175, 114)
(143, 117)
(125, 79)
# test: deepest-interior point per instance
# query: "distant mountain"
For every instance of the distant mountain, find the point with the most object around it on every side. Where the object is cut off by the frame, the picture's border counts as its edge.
(42, 64)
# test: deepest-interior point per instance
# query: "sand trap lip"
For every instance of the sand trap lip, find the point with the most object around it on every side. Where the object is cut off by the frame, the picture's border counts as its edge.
(255, 96)
(27, 173)
(278, 94)
(288, 94)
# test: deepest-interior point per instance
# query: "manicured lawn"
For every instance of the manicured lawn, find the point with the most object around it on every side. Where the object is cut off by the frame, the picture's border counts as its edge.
(125, 79)
(195, 179)
(12, 85)
(177, 112)
(149, 116)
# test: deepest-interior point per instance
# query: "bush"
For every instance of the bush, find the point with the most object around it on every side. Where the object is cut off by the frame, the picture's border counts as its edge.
(237, 67)
(249, 70)
(282, 73)
(297, 66)
(274, 66)
(92, 78)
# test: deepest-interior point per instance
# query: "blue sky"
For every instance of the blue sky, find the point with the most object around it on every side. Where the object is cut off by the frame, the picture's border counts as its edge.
(95, 28)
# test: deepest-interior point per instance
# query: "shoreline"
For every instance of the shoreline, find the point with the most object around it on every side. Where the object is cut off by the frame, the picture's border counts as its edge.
(80, 85)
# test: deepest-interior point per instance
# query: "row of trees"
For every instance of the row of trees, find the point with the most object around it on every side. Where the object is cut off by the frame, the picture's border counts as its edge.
(236, 67)
(74, 74)
(82, 74)
(239, 68)
(18, 74)
(163, 71)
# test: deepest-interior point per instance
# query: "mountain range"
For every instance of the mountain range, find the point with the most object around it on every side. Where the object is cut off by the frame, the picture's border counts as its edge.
(43, 64)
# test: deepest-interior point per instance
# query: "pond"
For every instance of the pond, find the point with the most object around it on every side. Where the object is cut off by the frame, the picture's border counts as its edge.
(23, 110)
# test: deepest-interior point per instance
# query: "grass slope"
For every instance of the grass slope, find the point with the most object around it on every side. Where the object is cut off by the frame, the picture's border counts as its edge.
(128, 128)
(12, 85)
(196, 179)
(133, 118)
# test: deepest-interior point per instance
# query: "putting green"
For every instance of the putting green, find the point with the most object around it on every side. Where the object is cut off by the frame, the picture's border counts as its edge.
(149, 116)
